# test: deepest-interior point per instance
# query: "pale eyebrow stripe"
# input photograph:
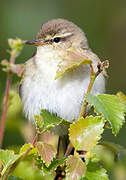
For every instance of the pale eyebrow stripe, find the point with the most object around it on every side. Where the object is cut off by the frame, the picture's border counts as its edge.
(66, 35)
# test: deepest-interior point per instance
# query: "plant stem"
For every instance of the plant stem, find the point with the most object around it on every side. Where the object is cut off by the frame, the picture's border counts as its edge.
(87, 112)
(92, 79)
(93, 76)
(30, 148)
(5, 106)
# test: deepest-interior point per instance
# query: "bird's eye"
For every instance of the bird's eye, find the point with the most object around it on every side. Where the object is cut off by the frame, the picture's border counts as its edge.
(57, 39)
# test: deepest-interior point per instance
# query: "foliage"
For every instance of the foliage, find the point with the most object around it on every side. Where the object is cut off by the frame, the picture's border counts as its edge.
(85, 134)
(16, 46)
(40, 160)
(8, 158)
(73, 58)
(95, 172)
(47, 122)
(111, 107)
(76, 168)
(46, 151)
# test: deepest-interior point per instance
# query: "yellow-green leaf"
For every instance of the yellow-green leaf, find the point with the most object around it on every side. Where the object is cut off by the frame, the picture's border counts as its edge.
(84, 134)
(73, 58)
(8, 158)
(25, 147)
(39, 121)
(75, 168)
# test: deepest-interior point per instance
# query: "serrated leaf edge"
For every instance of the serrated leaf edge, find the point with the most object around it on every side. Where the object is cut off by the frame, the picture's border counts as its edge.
(99, 113)
(88, 117)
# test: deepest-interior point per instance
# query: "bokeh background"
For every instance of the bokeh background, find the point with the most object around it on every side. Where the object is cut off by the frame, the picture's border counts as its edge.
(103, 21)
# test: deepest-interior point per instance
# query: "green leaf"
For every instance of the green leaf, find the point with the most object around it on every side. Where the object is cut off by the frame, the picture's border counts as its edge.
(52, 167)
(51, 120)
(39, 121)
(8, 158)
(12, 177)
(46, 151)
(84, 134)
(95, 172)
(111, 107)
(48, 169)
(25, 147)
(73, 58)
(75, 168)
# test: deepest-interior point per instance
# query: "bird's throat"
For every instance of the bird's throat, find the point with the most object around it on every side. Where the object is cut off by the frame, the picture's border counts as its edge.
(47, 60)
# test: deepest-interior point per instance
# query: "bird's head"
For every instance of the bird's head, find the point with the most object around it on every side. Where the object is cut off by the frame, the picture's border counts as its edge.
(60, 34)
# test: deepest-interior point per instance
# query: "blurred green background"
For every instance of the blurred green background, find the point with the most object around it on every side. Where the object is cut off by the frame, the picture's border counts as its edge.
(104, 22)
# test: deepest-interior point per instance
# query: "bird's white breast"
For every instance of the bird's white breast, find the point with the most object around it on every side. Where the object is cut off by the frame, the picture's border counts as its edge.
(63, 96)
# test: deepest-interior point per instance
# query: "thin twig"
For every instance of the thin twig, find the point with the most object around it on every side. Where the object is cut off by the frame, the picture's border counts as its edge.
(92, 79)
(30, 148)
(87, 112)
(5, 106)
(58, 147)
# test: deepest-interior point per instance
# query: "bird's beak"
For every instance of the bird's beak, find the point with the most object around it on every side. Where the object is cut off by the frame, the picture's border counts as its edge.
(35, 42)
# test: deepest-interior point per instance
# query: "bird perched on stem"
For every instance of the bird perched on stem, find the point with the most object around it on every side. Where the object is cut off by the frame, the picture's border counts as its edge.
(59, 43)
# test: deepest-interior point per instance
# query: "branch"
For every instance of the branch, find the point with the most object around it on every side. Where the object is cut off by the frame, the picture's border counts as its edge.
(16, 46)
(30, 148)
(92, 79)
(5, 106)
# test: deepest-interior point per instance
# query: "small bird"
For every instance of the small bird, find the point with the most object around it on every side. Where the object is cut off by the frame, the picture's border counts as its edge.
(63, 96)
